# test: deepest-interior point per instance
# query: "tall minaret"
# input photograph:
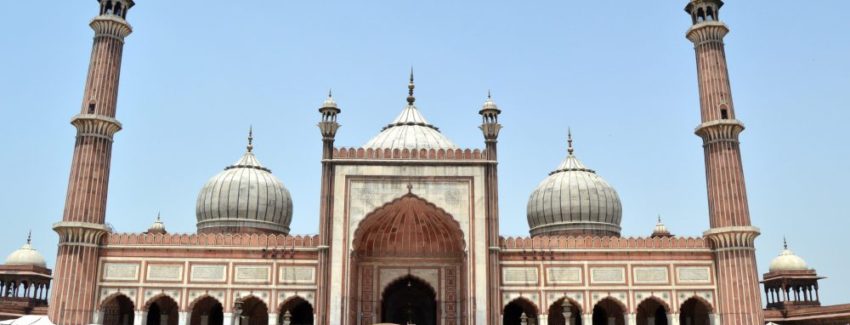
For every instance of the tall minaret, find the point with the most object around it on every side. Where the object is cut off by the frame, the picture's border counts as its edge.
(328, 127)
(731, 234)
(490, 127)
(82, 226)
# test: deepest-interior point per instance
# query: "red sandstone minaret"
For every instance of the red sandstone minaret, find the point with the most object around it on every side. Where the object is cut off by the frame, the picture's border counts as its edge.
(490, 127)
(73, 297)
(731, 234)
(328, 127)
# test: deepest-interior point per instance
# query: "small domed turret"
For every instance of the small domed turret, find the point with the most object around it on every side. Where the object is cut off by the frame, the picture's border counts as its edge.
(26, 256)
(660, 230)
(157, 227)
(787, 261)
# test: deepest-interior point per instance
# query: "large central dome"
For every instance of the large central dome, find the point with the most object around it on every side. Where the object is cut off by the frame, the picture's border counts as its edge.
(245, 197)
(410, 130)
(574, 200)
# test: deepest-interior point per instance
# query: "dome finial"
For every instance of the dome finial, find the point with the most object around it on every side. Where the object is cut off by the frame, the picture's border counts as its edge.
(784, 242)
(29, 237)
(410, 86)
(250, 138)
(659, 218)
(330, 93)
(157, 217)
(570, 141)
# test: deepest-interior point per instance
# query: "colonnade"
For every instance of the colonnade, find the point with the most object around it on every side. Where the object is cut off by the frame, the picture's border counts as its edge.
(25, 290)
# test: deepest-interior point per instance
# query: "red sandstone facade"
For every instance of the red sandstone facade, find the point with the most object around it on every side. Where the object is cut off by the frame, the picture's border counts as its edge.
(405, 234)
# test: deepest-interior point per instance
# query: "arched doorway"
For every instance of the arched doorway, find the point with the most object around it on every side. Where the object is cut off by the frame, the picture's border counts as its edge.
(652, 312)
(518, 310)
(694, 312)
(207, 311)
(608, 312)
(409, 301)
(118, 310)
(563, 310)
(296, 311)
(411, 235)
(162, 311)
(253, 311)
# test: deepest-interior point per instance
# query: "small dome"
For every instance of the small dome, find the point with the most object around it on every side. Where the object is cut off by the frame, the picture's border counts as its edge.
(329, 102)
(410, 130)
(574, 200)
(27, 256)
(245, 197)
(660, 230)
(157, 227)
(787, 261)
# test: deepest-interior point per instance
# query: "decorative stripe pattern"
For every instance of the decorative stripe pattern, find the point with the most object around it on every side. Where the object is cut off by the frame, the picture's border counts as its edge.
(80, 232)
(731, 235)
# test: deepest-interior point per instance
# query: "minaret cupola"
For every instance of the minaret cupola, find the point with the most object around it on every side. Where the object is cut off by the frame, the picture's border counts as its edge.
(704, 10)
(116, 8)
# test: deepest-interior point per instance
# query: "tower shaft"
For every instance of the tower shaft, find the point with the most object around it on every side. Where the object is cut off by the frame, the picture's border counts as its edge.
(731, 234)
(83, 224)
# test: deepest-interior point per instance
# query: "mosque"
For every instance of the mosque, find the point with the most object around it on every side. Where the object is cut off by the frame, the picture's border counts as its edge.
(408, 233)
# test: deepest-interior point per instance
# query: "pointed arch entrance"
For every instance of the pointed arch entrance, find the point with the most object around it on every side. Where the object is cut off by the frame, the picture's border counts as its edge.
(408, 261)
(409, 301)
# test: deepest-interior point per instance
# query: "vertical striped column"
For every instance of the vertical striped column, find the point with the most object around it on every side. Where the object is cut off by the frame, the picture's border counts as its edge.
(490, 127)
(328, 127)
(731, 234)
(82, 227)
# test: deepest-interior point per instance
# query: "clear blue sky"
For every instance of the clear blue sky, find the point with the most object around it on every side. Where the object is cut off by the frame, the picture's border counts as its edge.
(196, 74)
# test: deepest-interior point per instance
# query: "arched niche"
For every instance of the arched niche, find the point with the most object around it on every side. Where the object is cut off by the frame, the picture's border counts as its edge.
(253, 311)
(565, 311)
(409, 300)
(652, 311)
(206, 310)
(609, 311)
(162, 310)
(518, 310)
(695, 311)
(117, 310)
(295, 311)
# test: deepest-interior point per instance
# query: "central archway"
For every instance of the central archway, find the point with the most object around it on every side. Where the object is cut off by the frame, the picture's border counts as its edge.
(409, 301)
(414, 236)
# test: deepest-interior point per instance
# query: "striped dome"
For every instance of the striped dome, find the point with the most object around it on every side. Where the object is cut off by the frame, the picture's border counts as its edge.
(410, 130)
(574, 200)
(245, 197)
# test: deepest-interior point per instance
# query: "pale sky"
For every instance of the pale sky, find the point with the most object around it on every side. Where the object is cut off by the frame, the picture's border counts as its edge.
(621, 74)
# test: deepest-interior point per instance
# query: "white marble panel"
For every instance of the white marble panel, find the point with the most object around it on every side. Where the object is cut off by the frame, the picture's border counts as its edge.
(563, 275)
(297, 274)
(254, 274)
(208, 273)
(520, 275)
(693, 274)
(165, 272)
(608, 275)
(650, 275)
(113, 271)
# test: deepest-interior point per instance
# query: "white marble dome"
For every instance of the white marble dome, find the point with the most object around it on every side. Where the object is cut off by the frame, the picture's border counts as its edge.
(410, 130)
(245, 197)
(787, 261)
(26, 256)
(574, 200)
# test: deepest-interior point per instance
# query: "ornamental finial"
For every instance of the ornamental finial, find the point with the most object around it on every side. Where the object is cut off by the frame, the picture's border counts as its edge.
(250, 138)
(570, 141)
(784, 242)
(29, 237)
(410, 86)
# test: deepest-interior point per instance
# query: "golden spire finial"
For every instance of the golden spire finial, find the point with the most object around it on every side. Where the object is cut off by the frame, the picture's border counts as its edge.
(250, 138)
(569, 141)
(410, 86)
